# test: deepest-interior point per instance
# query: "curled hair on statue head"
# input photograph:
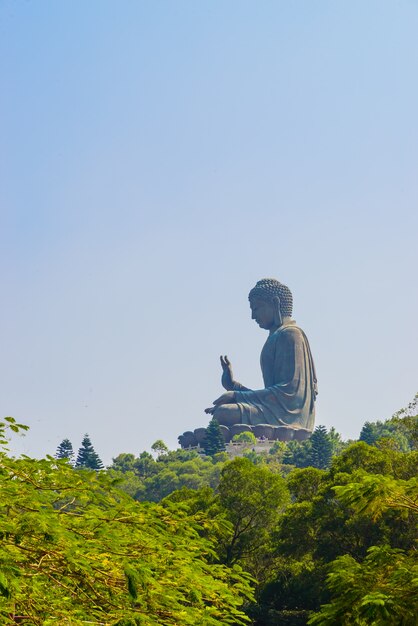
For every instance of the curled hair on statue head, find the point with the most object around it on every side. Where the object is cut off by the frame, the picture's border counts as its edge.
(268, 288)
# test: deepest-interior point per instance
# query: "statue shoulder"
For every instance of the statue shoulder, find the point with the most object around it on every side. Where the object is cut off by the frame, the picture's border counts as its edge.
(289, 332)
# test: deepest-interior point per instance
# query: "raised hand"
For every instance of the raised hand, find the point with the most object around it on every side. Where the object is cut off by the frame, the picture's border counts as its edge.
(227, 379)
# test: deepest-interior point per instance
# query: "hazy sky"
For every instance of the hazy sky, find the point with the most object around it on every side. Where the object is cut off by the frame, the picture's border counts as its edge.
(157, 159)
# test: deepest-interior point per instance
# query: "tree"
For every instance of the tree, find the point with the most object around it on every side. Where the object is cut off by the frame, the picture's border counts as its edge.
(376, 493)
(214, 441)
(321, 450)
(87, 457)
(253, 498)
(304, 484)
(337, 443)
(251, 455)
(365, 500)
(368, 433)
(145, 478)
(298, 454)
(278, 450)
(65, 451)
(245, 437)
(410, 411)
(194, 472)
(401, 431)
(381, 590)
(159, 447)
(145, 465)
(75, 550)
(124, 462)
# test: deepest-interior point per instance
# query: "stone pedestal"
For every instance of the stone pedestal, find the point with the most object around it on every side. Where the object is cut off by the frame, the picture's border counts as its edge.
(236, 429)
(187, 439)
(227, 435)
(264, 431)
(267, 432)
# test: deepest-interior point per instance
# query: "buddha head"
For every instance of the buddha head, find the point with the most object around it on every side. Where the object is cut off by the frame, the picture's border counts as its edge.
(270, 302)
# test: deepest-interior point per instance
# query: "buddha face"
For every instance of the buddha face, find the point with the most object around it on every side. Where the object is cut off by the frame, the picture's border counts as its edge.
(264, 313)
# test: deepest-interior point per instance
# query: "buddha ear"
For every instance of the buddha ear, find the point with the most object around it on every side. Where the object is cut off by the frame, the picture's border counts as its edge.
(277, 312)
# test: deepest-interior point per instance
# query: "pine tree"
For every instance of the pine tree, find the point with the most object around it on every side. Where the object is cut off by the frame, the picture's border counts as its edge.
(214, 441)
(368, 433)
(87, 457)
(65, 451)
(321, 451)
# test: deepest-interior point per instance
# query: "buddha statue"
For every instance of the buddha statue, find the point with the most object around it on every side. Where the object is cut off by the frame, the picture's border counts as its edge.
(290, 385)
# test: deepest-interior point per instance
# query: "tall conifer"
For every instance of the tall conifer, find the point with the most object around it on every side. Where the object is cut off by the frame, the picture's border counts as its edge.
(321, 451)
(368, 433)
(87, 457)
(65, 451)
(213, 441)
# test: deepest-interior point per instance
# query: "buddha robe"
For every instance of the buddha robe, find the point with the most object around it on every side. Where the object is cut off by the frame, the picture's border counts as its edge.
(290, 382)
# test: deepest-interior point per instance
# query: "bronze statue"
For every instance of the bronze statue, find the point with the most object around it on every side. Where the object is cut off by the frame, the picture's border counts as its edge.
(288, 399)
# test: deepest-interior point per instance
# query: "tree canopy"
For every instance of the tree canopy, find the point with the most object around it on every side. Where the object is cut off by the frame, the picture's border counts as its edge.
(318, 532)
(214, 441)
(75, 550)
(87, 457)
(65, 451)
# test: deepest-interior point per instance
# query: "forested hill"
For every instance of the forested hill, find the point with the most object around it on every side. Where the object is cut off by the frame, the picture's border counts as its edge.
(322, 532)
(147, 478)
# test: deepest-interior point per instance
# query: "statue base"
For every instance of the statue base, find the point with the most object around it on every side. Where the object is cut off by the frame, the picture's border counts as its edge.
(263, 432)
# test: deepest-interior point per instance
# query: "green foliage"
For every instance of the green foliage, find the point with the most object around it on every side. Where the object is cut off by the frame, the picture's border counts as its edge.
(363, 502)
(204, 504)
(316, 451)
(410, 411)
(393, 430)
(321, 448)
(383, 589)
(345, 547)
(369, 433)
(337, 443)
(244, 511)
(367, 500)
(8, 426)
(74, 549)
(375, 461)
(87, 457)
(374, 494)
(254, 457)
(253, 499)
(304, 485)
(159, 447)
(214, 441)
(278, 450)
(334, 541)
(401, 430)
(148, 480)
(293, 593)
(65, 451)
(145, 465)
(245, 437)
(298, 454)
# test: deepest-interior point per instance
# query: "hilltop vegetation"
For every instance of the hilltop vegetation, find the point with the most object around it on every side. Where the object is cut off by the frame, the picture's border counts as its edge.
(76, 550)
(323, 532)
(149, 479)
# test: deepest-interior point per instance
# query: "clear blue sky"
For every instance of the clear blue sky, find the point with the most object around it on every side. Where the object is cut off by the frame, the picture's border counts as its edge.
(159, 157)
